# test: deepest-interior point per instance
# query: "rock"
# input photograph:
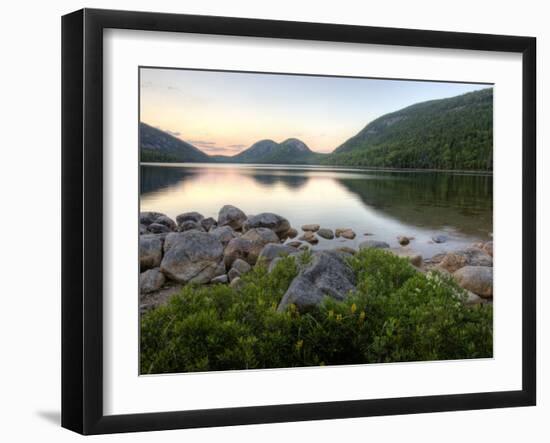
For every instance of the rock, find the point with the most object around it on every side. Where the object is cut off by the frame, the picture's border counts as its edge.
(347, 250)
(172, 238)
(325, 233)
(473, 299)
(403, 241)
(249, 246)
(477, 279)
(158, 228)
(151, 280)
(194, 258)
(220, 279)
(304, 247)
(373, 244)
(310, 237)
(345, 232)
(208, 223)
(223, 234)
(488, 248)
(414, 258)
(189, 216)
(276, 223)
(148, 217)
(440, 238)
(272, 250)
(453, 261)
(150, 251)
(326, 275)
(291, 233)
(233, 274)
(142, 229)
(188, 225)
(231, 216)
(294, 244)
(236, 283)
(273, 264)
(241, 266)
(311, 227)
(368, 233)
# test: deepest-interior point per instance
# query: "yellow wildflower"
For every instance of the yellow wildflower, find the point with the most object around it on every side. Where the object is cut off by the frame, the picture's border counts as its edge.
(353, 308)
(299, 344)
(339, 317)
(362, 316)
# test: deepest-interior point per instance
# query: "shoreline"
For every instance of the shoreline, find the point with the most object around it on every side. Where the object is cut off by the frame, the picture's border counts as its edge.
(310, 165)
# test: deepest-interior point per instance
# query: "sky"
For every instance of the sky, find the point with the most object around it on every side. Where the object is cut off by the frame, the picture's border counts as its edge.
(223, 113)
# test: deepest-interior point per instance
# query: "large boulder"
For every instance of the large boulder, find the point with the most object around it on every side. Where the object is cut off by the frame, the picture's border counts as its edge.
(151, 280)
(231, 216)
(273, 250)
(147, 218)
(373, 244)
(241, 266)
(453, 261)
(150, 250)
(477, 279)
(276, 223)
(189, 216)
(158, 228)
(223, 234)
(413, 257)
(188, 225)
(249, 245)
(326, 275)
(194, 258)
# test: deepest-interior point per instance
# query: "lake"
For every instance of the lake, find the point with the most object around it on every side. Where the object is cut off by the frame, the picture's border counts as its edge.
(385, 204)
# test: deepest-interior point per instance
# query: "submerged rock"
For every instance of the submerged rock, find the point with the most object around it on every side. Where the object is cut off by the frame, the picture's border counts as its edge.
(373, 244)
(440, 238)
(310, 237)
(325, 233)
(403, 241)
(151, 280)
(347, 233)
(477, 279)
(326, 275)
(294, 244)
(231, 216)
(150, 250)
(276, 223)
(193, 258)
(311, 227)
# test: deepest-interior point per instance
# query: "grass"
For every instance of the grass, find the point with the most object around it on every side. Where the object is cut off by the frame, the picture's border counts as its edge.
(397, 314)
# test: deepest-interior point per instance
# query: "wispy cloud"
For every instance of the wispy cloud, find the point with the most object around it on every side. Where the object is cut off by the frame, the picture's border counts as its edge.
(238, 146)
(202, 143)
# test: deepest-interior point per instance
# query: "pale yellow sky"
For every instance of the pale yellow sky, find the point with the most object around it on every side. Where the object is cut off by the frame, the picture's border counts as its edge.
(225, 113)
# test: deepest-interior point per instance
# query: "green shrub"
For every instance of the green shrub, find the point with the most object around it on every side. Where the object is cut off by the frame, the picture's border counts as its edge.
(396, 314)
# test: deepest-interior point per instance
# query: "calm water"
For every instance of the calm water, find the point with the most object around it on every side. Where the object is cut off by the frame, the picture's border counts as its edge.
(384, 204)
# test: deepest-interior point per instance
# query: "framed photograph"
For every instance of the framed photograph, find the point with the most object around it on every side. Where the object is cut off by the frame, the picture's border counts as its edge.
(268, 221)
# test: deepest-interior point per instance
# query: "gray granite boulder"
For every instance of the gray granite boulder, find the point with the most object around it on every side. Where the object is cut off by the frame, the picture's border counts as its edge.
(231, 216)
(453, 261)
(326, 275)
(223, 234)
(158, 228)
(151, 280)
(272, 250)
(189, 216)
(241, 266)
(477, 279)
(249, 245)
(326, 233)
(194, 258)
(150, 250)
(276, 223)
(208, 223)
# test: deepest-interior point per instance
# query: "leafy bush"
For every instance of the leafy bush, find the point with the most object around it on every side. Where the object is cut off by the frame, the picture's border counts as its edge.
(396, 314)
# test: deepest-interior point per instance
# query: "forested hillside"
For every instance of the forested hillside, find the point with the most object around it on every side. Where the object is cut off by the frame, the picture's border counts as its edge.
(453, 133)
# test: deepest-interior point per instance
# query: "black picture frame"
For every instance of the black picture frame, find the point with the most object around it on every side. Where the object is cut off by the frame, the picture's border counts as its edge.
(82, 218)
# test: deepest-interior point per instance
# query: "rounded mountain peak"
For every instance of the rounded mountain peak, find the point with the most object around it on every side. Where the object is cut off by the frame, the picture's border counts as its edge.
(297, 144)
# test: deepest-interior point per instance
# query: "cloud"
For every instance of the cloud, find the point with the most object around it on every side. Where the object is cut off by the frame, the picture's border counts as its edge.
(202, 143)
(238, 146)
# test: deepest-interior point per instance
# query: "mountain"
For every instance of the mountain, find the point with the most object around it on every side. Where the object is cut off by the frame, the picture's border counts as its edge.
(450, 133)
(159, 146)
(291, 151)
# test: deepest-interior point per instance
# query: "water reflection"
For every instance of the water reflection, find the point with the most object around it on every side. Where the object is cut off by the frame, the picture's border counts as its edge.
(385, 204)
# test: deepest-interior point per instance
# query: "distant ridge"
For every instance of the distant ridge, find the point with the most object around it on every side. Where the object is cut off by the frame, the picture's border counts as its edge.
(159, 146)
